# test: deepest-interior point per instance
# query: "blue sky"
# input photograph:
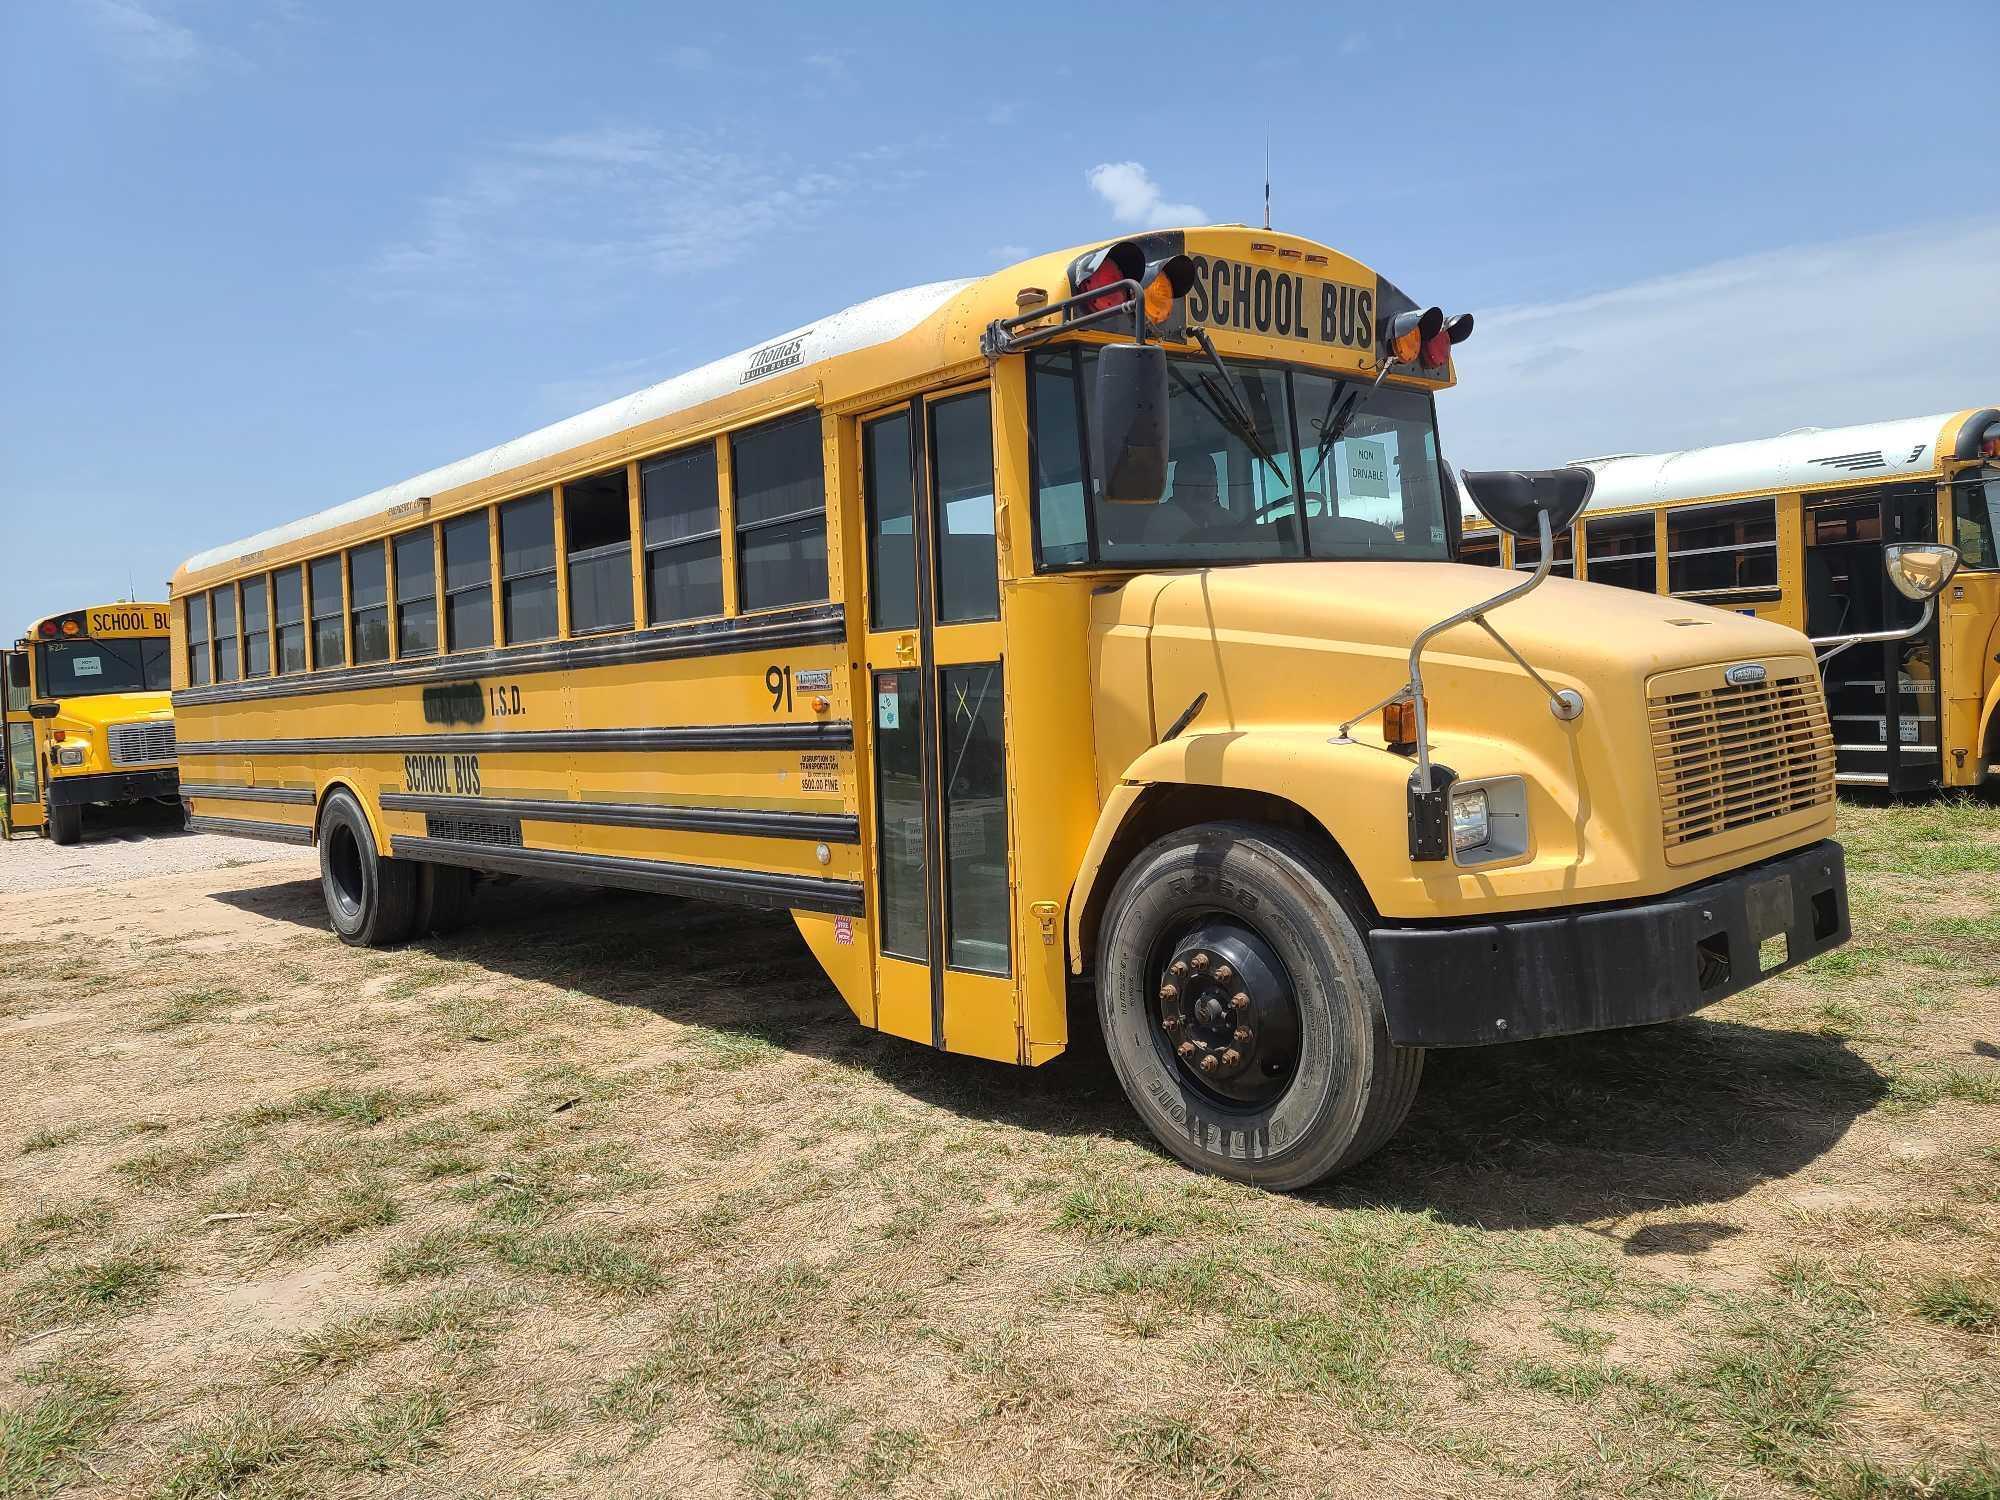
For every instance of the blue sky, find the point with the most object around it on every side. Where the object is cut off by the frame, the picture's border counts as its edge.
(264, 257)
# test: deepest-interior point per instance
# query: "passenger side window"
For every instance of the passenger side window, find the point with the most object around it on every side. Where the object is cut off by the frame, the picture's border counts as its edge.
(288, 618)
(528, 568)
(1723, 550)
(1058, 460)
(224, 626)
(329, 635)
(416, 595)
(368, 602)
(597, 534)
(683, 535)
(195, 613)
(256, 630)
(1618, 550)
(892, 522)
(468, 583)
(780, 513)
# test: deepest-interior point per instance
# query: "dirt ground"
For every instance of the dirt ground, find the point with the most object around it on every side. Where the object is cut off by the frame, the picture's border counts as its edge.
(123, 843)
(609, 1194)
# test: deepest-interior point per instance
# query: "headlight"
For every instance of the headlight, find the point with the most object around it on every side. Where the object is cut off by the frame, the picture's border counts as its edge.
(1471, 823)
(1489, 820)
(69, 755)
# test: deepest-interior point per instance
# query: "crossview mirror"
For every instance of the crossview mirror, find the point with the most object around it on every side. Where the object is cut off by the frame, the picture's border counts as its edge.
(1131, 426)
(1516, 499)
(43, 710)
(1920, 569)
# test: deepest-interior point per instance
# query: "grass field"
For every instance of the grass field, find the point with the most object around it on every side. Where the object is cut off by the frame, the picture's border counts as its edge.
(609, 1195)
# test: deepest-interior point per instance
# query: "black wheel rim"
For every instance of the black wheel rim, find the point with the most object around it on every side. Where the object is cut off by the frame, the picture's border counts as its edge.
(1223, 1012)
(343, 868)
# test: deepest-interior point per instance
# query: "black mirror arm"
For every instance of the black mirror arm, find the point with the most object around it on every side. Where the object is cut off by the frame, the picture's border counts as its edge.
(1564, 703)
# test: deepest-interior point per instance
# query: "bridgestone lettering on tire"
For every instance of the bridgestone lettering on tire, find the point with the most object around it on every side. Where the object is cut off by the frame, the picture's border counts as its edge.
(1278, 1107)
(371, 901)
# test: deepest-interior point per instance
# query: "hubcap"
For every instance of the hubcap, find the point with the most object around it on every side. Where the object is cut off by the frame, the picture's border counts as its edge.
(1226, 1013)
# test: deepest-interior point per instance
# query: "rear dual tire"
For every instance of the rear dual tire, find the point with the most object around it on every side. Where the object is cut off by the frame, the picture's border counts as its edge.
(374, 902)
(1285, 1073)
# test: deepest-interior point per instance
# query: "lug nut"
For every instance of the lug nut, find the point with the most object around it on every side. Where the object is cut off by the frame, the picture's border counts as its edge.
(1171, 1023)
(1223, 973)
(1242, 1034)
(1177, 969)
(1170, 991)
(1208, 1064)
(1231, 1057)
(1201, 960)
(1185, 1049)
(1240, 1000)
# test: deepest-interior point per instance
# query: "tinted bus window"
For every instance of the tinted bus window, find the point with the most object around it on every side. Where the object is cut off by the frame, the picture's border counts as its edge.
(288, 618)
(528, 568)
(223, 625)
(780, 513)
(256, 629)
(683, 535)
(468, 583)
(416, 595)
(195, 613)
(597, 536)
(329, 633)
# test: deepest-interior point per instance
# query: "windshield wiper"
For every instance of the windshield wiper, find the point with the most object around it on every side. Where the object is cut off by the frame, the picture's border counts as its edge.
(1229, 408)
(1333, 428)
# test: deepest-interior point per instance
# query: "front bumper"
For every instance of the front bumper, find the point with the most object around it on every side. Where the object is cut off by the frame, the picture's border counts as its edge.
(1466, 985)
(114, 786)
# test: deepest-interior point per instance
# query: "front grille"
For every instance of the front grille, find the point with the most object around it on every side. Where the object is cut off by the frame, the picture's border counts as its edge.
(1731, 756)
(140, 744)
(502, 833)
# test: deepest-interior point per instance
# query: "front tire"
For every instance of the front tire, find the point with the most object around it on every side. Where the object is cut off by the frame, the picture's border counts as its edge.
(1241, 1011)
(371, 901)
(66, 824)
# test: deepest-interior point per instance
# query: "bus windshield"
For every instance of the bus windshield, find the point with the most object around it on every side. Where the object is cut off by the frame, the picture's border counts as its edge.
(1277, 463)
(87, 668)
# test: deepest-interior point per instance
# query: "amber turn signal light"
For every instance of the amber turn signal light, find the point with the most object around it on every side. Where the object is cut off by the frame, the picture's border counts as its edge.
(1399, 724)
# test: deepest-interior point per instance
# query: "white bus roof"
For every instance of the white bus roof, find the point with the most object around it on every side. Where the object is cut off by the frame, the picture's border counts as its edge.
(1801, 459)
(875, 321)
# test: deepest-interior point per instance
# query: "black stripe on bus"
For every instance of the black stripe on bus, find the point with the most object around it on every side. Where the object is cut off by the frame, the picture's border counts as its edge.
(820, 625)
(772, 892)
(815, 735)
(221, 793)
(832, 828)
(281, 833)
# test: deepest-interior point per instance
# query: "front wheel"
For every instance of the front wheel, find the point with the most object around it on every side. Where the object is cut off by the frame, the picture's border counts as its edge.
(66, 823)
(1241, 1011)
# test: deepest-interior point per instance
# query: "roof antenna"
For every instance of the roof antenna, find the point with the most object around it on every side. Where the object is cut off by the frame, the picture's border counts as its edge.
(1267, 182)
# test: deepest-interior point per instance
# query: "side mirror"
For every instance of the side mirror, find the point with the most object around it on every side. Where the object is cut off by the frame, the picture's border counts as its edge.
(1516, 499)
(1920, 570)
(1131, 426)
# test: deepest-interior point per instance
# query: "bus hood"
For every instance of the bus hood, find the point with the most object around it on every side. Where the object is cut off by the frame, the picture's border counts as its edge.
(1369, 612)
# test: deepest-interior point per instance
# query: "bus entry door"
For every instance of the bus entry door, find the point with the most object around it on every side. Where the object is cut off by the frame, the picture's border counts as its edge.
(24, 809)
(936, 728)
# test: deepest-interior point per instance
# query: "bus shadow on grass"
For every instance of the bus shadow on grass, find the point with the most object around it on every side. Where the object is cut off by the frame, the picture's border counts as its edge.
(1526, 1135)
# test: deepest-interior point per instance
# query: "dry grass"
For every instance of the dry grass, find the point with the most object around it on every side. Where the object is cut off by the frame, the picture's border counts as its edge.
(509, 1215)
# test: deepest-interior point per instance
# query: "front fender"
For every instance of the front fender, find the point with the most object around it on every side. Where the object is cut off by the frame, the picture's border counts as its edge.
(1357, 793)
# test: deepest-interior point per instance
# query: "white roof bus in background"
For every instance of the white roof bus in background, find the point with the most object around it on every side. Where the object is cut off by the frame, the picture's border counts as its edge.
(1794, 528)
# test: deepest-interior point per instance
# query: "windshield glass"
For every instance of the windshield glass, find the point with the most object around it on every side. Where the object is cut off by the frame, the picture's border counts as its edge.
(1244, 453)
(83, 669)
(1976, 508)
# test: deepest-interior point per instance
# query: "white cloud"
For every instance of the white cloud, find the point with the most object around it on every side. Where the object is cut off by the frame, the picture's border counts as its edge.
(1134, 198)
(150, 47)
(1887, 325)
(588, 214)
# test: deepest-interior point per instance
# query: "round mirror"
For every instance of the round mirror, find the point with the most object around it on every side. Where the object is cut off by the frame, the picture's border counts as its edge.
(1920, 569)
(1515, 499)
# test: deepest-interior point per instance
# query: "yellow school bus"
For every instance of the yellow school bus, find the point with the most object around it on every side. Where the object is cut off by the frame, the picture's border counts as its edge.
(1794, 529)
(1056, 633)
(89, 718)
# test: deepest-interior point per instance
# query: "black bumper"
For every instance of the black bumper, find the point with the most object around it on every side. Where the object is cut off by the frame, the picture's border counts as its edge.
(113, 786)
(1626, 965)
